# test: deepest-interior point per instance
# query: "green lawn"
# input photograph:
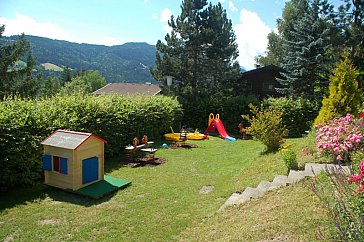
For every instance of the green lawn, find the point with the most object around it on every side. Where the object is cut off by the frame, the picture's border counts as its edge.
(164, 203)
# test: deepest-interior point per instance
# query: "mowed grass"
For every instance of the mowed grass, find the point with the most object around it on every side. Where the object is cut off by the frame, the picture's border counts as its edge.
(292, 213)
(163, 203)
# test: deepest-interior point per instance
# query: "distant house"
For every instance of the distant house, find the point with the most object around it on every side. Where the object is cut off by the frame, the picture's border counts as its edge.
(261, 82)
(129, 89)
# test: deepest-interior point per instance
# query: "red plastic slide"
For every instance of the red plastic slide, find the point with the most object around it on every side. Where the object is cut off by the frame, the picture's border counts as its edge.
(221, 129)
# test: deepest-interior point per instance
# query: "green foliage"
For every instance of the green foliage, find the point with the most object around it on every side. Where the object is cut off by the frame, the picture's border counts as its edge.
(274, 54)
(50, 86)
(290, 160)
(66, 75)
(266, 126)
(17, 78)
(85, 82)
(200, 52)
(19, 143)
(345, 206)
(345, 96)
(196, 112)
(351, 18)
(24, 123)
(306, 60)
(298, 114)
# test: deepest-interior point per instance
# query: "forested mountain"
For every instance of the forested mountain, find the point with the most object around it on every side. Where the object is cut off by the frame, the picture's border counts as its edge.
(129, 62)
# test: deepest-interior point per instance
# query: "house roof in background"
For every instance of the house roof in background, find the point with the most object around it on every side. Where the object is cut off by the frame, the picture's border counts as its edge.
(68, 139)
(129, 89)
(263, 69)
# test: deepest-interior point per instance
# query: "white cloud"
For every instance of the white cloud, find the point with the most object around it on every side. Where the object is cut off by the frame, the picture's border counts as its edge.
(165, 15)
(251, 36)
(29, 26)
(232, 6)
(146, 1)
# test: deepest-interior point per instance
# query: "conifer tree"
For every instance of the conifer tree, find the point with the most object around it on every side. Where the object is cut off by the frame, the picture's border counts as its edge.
(17, 79)
(345, 97)
(200, 51)
(306, 49)
(292, 12)
(351, 20)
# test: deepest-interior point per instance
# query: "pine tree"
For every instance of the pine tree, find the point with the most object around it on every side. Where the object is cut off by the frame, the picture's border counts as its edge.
(200, 51)
(66, 75)
(345, 97)
(306, 60)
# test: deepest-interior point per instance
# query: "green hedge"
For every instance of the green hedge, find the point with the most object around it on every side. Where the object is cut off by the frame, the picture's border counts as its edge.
(25, 123)
(196, 113)
(298, 114)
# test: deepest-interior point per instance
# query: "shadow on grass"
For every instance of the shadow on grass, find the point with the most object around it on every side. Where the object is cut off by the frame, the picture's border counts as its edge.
(39, 192)
(122, 160)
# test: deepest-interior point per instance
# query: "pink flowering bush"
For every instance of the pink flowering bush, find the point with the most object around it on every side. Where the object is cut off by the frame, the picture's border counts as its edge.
(340, 138)
(358, 178)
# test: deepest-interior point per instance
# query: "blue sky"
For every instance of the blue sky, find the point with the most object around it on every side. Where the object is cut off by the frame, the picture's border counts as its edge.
(113, 22)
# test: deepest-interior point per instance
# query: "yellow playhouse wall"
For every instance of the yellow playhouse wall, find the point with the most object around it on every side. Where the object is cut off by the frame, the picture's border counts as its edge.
(57, 179)
(90, 148)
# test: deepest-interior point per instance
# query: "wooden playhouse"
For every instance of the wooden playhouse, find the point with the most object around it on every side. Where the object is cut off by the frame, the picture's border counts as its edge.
(73, 160)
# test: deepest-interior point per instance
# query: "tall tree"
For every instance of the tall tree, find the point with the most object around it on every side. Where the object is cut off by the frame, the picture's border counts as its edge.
(345, 97)
(292, 12)
(200, 52)
(15, 75)
(351, 21)
(66, 75)
(306, 61)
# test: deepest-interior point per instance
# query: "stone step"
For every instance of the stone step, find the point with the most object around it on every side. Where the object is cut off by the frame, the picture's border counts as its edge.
(264, 185)
(311, 169)
(295, 176)
(279, 181)
(232, 200)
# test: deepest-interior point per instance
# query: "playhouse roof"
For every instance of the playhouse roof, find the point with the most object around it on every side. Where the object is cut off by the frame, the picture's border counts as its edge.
(68, 139)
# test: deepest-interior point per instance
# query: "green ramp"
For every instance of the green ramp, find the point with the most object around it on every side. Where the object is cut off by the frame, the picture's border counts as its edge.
(102, 188)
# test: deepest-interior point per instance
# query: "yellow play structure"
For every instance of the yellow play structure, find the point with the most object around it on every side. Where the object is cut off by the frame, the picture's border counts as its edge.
(73, 160)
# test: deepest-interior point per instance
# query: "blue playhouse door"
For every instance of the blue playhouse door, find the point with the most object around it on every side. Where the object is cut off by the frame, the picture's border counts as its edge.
(90, 170)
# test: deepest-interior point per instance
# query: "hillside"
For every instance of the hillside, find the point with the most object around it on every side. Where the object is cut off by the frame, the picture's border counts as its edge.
(129, 62)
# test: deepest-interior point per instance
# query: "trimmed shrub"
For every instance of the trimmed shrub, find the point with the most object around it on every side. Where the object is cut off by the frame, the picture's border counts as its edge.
(298, 114)
(20, 153)
(266, 126)
(24, 123)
